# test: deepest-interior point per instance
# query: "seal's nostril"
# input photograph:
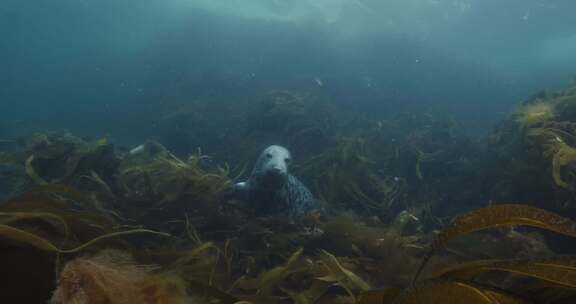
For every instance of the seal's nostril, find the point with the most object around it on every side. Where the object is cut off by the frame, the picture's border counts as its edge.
(277, 170)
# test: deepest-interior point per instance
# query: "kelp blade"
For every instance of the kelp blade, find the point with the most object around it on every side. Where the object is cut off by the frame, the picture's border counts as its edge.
(21, 236)
(339, 273)
(505, 215)
(455, 292)
(25, 237)
(379, 296)
(84, 220)
(545, 292)
(270, 279)
(500, 216)
(561, 271)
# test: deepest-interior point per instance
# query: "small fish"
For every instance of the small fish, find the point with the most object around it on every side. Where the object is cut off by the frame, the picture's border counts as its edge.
(526, 16)
(319, 82)
(137, 150)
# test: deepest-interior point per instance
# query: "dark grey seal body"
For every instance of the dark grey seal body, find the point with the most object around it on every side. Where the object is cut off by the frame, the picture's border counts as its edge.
(271, 189)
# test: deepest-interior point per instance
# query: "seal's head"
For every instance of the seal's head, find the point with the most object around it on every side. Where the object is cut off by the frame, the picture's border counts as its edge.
(271, 169)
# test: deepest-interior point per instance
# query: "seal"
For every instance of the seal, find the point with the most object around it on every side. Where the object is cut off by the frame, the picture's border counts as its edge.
(272, 189)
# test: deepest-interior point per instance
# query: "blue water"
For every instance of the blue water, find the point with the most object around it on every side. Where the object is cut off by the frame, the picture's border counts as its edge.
(104, 67)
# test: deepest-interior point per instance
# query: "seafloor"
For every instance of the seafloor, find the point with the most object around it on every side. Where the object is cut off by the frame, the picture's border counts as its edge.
(415, 211)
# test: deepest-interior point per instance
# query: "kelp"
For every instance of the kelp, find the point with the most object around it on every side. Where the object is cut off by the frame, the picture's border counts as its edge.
(376, 249)
(383, 167)
(150, 174)
(534, 113)
(560, 270)
(271, 279)
(487, 244)
(307, 280)
(311, 295)
(405, 170)
(499, 216)
(206, 271)
(59, 157)
(539, 136)
(346, 175)
(342, 276)
(201, 263)
(303, 280)
(565, 156)
(64, 158)
(51, 224)
(295, 116)
(505, 215)
(51, 205)
(318, 276)
(561, 155)
(85, 217)
(461, 283)
(453, 292)
(32, 173)
(24, 237)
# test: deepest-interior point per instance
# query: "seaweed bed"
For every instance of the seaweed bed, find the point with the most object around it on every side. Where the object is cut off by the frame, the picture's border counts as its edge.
(83, 222)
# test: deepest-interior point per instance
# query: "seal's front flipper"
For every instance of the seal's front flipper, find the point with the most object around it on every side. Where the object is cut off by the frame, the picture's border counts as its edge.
(238, 191)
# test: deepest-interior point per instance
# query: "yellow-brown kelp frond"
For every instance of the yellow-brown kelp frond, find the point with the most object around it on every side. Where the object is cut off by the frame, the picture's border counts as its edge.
(560, 271)
(462, 283)
(20, 236)
(467, 287)
(555, 141)
(449, 292)
(64, 158)
(539, 137)
(532, 114)
(53, 217)
(85, 218)
(161, 177)
(155, 184)
(501, 216)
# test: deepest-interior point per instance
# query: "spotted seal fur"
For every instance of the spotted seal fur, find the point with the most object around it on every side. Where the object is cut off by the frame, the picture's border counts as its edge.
(272, 189)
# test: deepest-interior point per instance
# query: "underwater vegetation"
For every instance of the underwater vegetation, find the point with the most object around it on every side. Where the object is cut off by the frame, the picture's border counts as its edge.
(41, 226)
(347, 174)
(151, 182)
(234, 129)
(538, 137)
(85, 222)
(410, 162)
(303, 119)
(350, 161)
(549, 279)
(96, 260)
(534, 113)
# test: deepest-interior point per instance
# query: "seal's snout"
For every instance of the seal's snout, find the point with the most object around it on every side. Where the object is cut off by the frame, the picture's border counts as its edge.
(278, 170)
(276, 177)
(277, 173)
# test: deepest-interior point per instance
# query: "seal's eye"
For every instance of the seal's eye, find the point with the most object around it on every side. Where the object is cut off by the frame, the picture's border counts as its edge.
(287, 160)
(268, 155)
